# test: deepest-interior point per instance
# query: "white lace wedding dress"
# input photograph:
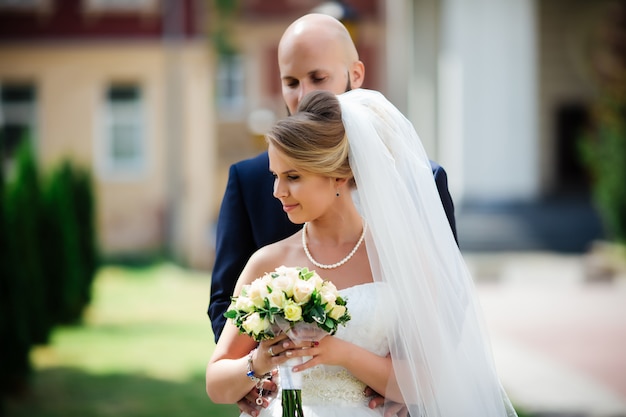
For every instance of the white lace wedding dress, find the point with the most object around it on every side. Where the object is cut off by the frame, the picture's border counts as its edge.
(330, 391)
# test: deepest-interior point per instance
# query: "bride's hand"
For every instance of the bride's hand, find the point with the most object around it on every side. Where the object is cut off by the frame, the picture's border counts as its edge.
(270, 353)
(391, 408)
(328, 351)
(248, 403)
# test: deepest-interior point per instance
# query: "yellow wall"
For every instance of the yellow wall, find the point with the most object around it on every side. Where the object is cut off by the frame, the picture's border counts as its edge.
(71, 82)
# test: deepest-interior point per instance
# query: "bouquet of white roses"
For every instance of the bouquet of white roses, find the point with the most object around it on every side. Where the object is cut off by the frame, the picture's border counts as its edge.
(293, 300)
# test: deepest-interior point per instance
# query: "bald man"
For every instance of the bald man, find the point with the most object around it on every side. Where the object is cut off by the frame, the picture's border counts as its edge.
(315, 53)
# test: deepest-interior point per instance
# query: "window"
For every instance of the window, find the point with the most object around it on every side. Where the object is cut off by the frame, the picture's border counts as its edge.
(121, 5)
(17, 117)
(123, 150)
(230, 86)
(23, 4)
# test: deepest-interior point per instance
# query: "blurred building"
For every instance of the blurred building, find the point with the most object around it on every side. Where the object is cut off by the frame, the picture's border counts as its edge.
(123, 87)
(499, 90)
(161, 96)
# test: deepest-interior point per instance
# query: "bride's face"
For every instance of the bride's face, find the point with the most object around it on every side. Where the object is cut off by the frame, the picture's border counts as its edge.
(304, 196)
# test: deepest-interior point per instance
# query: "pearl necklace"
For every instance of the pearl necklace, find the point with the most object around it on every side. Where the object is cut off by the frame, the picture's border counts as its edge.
(341, 262)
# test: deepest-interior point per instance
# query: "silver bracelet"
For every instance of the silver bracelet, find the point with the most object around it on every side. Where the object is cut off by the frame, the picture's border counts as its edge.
(258, 381)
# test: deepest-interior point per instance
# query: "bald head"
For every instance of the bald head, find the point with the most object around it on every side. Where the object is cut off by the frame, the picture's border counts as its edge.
(320, 28)
(316, 52)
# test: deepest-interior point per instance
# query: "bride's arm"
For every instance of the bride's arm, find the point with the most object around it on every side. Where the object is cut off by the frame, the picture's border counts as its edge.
(226, 374)
(226, 379)
(373, 370)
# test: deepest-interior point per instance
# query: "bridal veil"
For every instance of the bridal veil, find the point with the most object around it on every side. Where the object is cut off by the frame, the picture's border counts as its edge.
(441, 354)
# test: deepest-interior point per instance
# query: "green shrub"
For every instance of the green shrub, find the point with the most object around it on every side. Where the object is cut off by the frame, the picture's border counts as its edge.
(48, 258)
(25, 321)
(604, 146)
(69, 233)
(604, 153)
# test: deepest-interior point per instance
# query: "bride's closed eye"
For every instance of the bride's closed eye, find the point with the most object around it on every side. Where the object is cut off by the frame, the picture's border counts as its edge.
(291, 177)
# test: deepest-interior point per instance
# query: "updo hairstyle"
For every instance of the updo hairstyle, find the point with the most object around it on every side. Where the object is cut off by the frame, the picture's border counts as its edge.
(313, 139)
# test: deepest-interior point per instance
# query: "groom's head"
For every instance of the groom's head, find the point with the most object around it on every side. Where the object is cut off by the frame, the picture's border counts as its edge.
(316, 52)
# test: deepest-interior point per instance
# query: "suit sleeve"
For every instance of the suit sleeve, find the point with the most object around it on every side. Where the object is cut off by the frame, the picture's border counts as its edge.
(233, 247)
(441, 180)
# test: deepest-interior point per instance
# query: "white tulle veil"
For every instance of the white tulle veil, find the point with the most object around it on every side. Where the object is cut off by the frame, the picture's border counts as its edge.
(441, 354)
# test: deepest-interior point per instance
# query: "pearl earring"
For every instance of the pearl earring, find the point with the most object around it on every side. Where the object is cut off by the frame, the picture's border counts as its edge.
(337, 193)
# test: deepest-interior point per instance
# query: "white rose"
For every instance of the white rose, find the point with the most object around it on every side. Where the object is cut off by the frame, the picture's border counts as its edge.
(255, 324)
(258, 292)
(244, 304)
(291, 273)
(302, 291)
(328, 296)
(337, 312)
(276, 298)
(317, 281)
(284, 283)
(267, 280)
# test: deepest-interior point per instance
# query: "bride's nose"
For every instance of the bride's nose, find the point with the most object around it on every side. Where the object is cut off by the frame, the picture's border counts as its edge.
(280, 190)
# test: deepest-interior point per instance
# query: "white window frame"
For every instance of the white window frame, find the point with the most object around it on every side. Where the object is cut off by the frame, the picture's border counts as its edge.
(99, 6)
(21, 114)
(230, 87)
(116, 114)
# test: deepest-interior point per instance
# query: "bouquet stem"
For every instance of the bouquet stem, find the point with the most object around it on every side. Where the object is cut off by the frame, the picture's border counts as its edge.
(291, 384)
(292, 403)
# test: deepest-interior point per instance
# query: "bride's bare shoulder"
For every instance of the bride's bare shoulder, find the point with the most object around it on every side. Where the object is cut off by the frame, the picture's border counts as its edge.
(268, 258)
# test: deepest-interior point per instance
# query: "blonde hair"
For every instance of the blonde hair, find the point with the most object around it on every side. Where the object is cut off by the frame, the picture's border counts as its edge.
(314, 139)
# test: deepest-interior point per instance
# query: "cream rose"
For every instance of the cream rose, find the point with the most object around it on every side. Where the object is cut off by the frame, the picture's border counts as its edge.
(255, 324)
(337, 312)
(293, 312)
(302, 291)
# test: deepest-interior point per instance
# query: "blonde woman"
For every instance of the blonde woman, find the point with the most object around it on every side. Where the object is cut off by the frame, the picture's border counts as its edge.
(351, 168)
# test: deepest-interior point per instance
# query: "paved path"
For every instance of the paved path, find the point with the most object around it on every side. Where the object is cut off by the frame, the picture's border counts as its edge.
(559, 342)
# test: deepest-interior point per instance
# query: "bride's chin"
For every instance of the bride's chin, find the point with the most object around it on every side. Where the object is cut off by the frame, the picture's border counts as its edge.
(295, 219)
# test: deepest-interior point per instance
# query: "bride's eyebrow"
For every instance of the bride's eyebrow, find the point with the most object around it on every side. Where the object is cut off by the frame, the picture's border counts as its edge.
(290, 171)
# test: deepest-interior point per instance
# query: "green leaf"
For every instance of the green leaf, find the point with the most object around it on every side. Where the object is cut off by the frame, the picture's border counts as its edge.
(231, 314)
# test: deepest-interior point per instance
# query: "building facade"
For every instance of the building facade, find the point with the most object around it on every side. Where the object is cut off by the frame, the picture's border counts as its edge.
(141, 91)
(125, 88)
(500, 90)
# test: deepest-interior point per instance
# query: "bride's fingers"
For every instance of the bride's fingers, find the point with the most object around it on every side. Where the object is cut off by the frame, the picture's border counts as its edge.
(314, 361)
(290, 344)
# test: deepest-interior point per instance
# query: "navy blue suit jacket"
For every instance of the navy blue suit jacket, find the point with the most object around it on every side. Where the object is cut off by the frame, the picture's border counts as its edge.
(251, 217)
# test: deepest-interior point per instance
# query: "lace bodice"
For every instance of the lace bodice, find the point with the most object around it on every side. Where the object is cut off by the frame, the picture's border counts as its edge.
(334, 385)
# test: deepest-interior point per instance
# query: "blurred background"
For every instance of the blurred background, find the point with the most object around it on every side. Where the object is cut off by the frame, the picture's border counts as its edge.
(119, 120)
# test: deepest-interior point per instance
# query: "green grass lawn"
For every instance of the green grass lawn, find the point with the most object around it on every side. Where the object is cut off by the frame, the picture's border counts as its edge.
(141, 351)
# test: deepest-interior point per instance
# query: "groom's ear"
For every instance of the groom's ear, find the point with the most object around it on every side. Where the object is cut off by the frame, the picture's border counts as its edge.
(357, 74)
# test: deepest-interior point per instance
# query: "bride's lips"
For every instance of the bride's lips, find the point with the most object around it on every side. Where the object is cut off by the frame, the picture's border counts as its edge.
(289, 207)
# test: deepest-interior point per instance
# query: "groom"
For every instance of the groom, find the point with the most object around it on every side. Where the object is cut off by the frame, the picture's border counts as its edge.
(315, 53)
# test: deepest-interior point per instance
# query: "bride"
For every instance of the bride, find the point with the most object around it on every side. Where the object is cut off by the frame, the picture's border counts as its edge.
(353, 170)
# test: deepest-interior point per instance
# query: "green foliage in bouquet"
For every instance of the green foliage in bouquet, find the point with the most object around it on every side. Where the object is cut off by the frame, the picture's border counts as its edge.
(287, 296)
